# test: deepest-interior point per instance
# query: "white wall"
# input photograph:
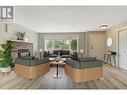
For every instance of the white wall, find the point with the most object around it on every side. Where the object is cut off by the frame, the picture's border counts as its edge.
(113, 32)
(10, 35)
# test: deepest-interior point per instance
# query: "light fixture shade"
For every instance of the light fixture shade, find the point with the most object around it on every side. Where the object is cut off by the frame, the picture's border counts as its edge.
(40, 50)
(105, 26)
(81, 50)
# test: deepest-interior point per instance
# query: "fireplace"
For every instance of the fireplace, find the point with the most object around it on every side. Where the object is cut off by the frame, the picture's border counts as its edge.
(19, 46)
(23, 53)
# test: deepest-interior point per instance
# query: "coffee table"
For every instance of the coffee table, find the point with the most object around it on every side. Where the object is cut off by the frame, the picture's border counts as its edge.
(57, 63)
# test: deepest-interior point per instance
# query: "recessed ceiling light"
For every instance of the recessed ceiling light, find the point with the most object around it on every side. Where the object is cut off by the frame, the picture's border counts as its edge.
(105, 26)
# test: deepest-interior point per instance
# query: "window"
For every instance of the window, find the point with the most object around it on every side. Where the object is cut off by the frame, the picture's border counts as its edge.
(57, 44)
(49, 44)
(61, 43)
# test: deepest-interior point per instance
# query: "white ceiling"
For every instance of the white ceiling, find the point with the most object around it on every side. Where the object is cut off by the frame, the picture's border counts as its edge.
(68, 19)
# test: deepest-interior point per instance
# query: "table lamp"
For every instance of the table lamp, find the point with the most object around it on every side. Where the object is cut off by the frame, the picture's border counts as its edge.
(81, 52)
(40, 51)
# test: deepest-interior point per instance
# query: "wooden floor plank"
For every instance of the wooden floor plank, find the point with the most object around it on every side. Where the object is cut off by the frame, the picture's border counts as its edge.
(113, 78)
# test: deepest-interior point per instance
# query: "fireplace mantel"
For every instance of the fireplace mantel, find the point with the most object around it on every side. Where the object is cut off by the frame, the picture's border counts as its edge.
(19, 41)
(21, 45)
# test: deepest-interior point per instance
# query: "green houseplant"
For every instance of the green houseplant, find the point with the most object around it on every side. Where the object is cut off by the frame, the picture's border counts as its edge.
(5, 56)
(73, 44)
(20, 35)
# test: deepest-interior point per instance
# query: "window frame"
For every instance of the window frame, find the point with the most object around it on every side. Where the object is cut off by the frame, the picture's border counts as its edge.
(55, 36)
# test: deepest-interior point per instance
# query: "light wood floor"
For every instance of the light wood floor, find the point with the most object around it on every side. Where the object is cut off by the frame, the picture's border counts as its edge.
(113, 78)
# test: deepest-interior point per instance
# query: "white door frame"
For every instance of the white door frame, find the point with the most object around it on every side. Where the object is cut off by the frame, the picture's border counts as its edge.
(119, 43)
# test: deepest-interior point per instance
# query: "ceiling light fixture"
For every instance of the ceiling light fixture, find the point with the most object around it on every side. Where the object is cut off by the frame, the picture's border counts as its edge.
(105, 26)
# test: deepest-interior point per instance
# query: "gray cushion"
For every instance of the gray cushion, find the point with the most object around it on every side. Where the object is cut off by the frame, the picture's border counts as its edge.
(84, 64)
(66, 56)
(73, 63)
(31, 62)
(87, 59)
(88, 64)
(29, 57)
(65, 52)
(53, 55)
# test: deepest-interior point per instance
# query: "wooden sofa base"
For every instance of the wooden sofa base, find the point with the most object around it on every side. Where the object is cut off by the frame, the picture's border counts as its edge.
(83, 75)
(31, 72)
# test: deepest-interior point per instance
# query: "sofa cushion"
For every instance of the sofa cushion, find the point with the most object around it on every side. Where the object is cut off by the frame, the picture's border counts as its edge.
(57, 52)
(73, 63)
(31, 62)
(61, 52)
(75, 56)
(46, 54)
(84, 64)
(65, 52)
(53, 55)
(66, 56)
(39, 61)
(30, 57)
(87, 59)
(89, 64)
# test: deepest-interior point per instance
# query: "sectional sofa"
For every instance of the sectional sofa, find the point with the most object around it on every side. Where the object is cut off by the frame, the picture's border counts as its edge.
(84, 69)
(31, 67)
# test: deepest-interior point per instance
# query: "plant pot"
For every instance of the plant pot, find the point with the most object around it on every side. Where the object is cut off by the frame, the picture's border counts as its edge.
(0, 69)
(5, 70)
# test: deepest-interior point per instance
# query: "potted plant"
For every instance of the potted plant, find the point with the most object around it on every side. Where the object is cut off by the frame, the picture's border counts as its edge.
(20, 35)
(5, 57)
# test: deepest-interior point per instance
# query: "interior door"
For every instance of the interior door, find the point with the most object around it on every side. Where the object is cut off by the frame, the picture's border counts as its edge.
(96, 45)
(123, 49)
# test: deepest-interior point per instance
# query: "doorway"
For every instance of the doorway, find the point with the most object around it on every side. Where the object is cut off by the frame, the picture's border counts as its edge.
(96, 45)
(123, 49)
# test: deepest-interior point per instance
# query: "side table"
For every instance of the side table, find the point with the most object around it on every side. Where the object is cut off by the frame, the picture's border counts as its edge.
(57, 63)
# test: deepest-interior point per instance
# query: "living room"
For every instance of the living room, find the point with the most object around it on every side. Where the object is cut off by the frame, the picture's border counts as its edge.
(63, 48)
